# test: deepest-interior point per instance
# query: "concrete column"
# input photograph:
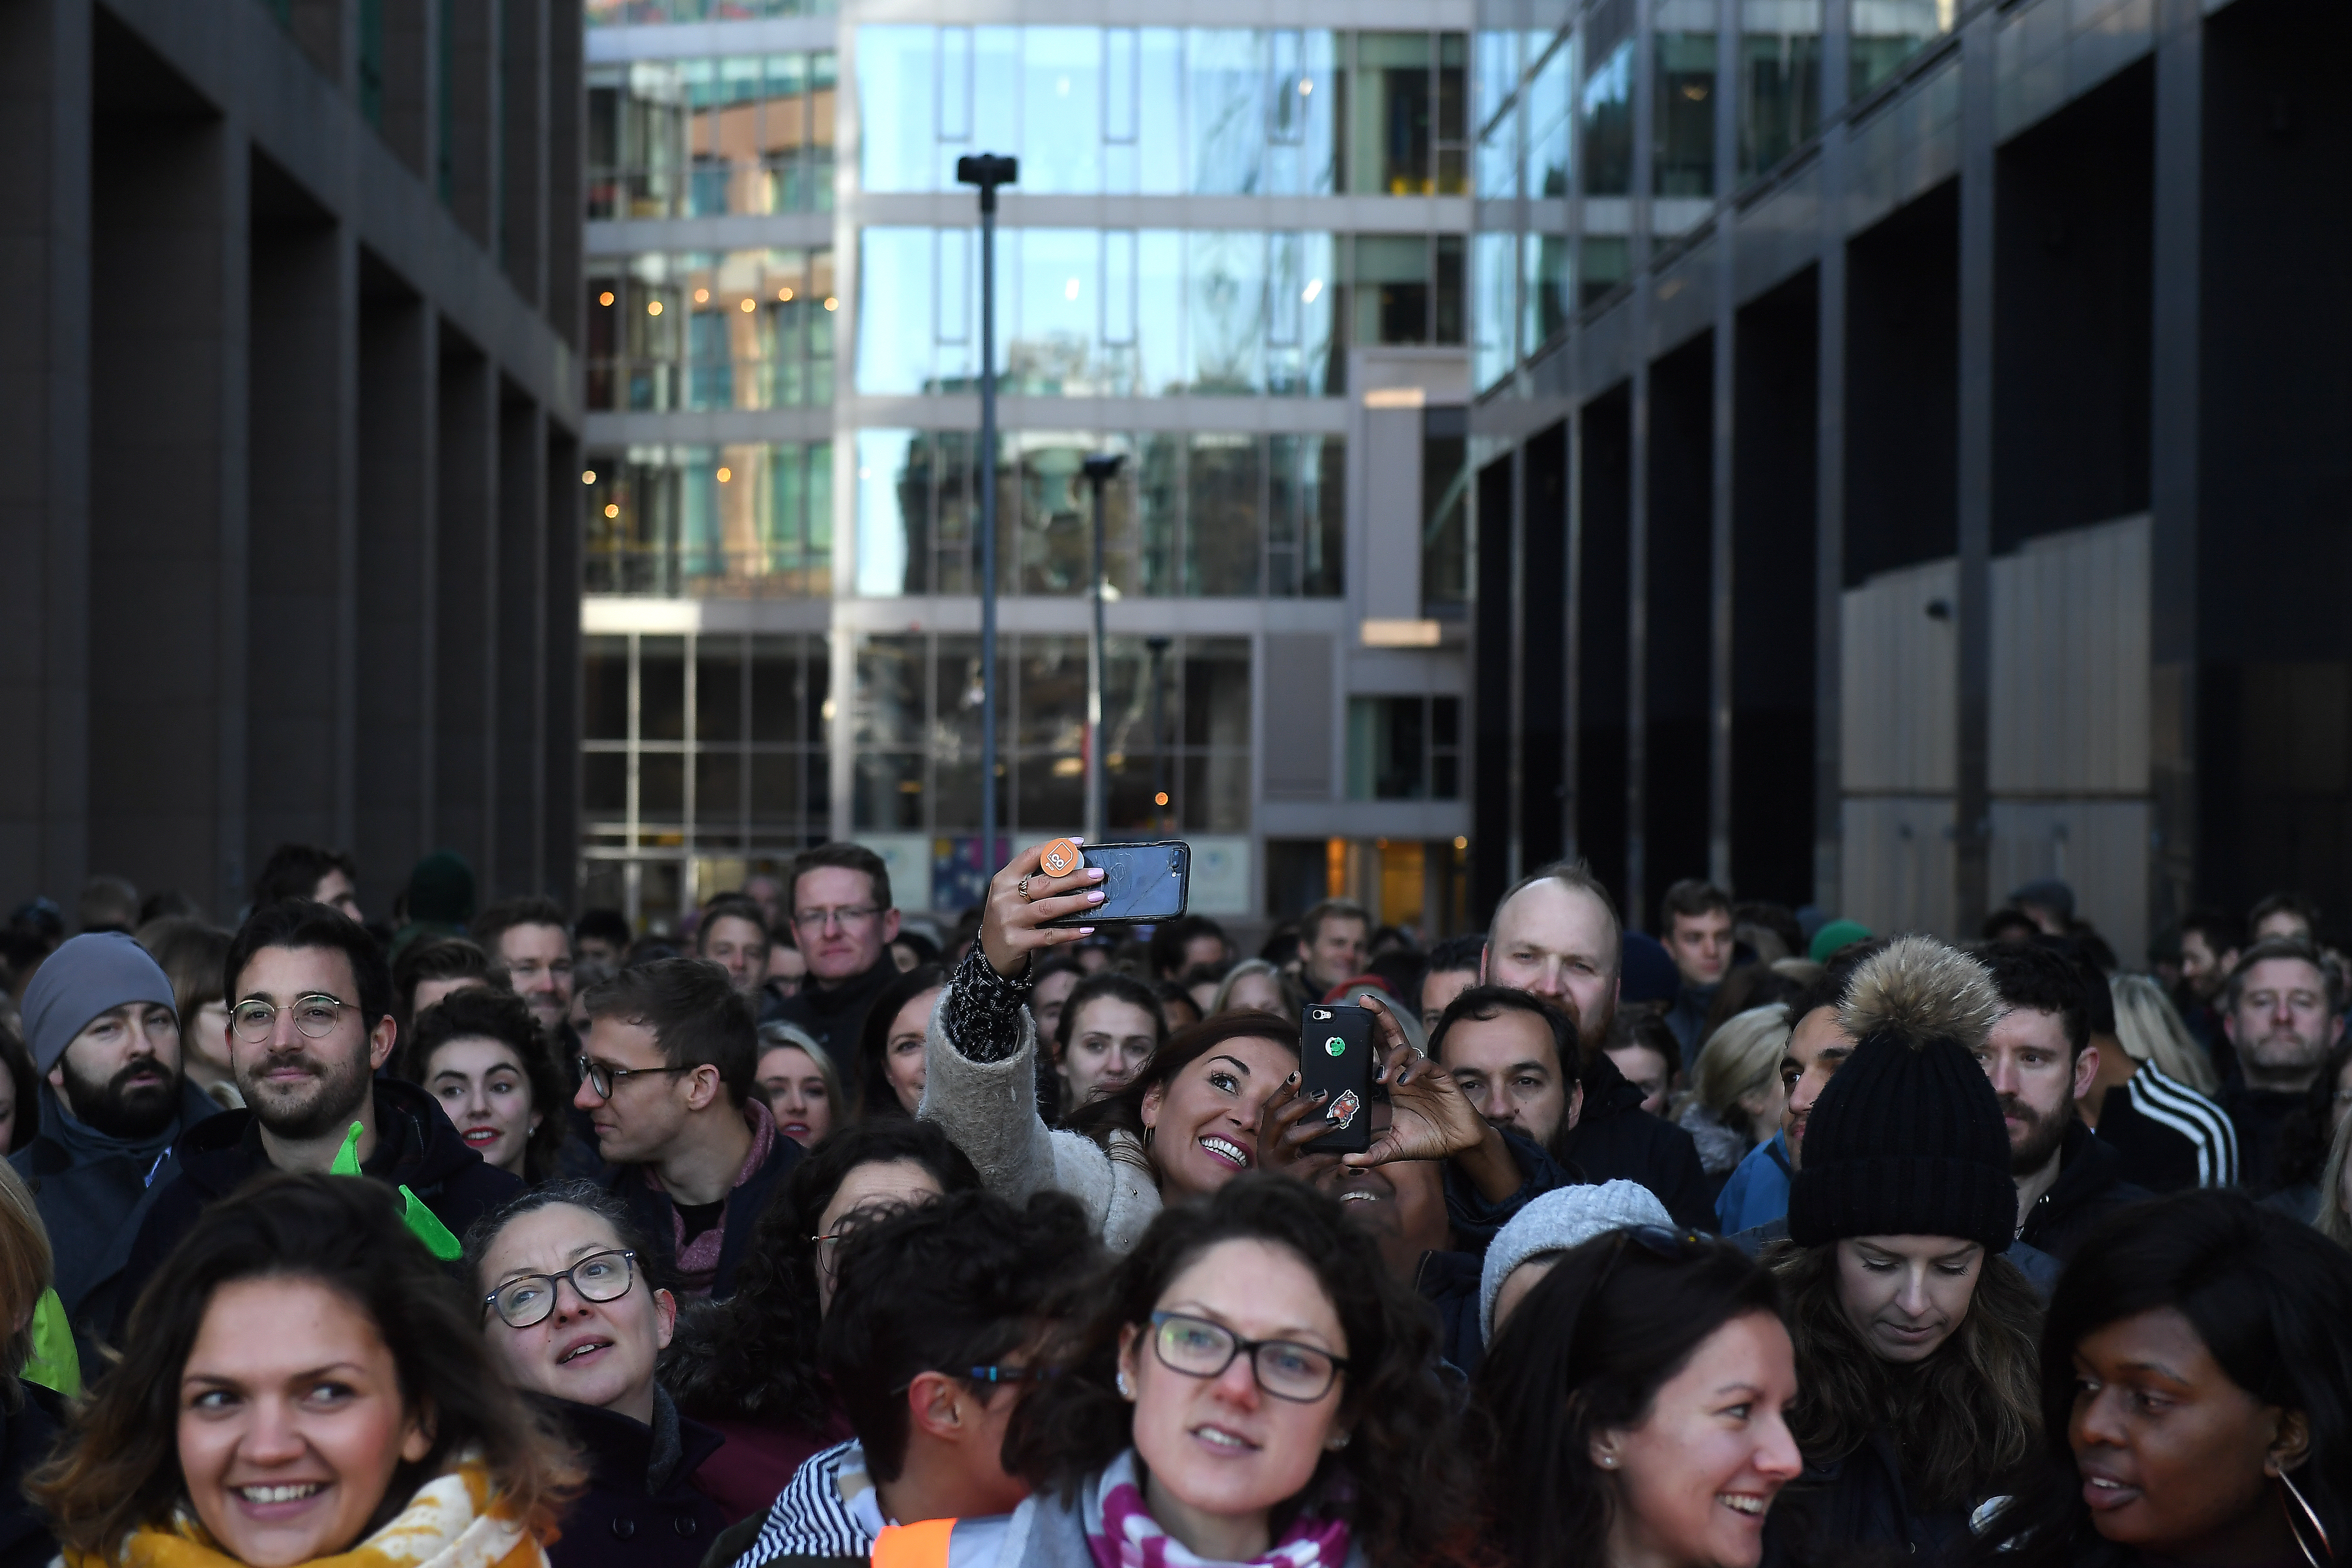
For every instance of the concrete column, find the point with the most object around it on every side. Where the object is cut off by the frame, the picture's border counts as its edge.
(398, 461)
(519, 708)
(1829, 465)
(301, 654)
(524, 184)
(1972, 815)
(2174, 435)
(464, 637)
(470, 117)
(565, 195)
(1720, 517)
(169, 420)
(45, 238)
(558, 784)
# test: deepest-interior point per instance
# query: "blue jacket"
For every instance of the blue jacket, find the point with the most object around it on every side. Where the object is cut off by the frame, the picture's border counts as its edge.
(1758, 1192)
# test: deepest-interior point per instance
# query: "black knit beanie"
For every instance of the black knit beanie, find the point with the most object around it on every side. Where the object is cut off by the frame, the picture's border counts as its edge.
(1908, 1138)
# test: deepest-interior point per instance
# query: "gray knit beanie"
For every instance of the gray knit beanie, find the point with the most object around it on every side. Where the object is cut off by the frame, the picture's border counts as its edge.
(87, 976)
(1563, 1218)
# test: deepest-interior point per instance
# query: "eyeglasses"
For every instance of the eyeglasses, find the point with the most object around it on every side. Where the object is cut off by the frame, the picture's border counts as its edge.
(530, 1298)
(602, 1077)
(820, 920)
(1284, 1368)
(254, 1021)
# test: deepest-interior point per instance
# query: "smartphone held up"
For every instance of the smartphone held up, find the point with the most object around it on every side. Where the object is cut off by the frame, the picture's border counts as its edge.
(1142, 884)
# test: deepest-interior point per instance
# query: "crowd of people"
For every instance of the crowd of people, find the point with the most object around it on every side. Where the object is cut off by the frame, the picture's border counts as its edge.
(500, 1237)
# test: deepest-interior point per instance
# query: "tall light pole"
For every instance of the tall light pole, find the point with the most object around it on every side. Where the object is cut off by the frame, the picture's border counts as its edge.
(988, 171)
(1100, 466)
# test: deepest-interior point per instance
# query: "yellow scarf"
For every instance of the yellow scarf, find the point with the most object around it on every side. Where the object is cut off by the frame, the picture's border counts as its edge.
(449, 1523)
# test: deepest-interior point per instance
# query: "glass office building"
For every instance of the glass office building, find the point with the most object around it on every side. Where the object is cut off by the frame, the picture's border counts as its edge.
(1237, 256)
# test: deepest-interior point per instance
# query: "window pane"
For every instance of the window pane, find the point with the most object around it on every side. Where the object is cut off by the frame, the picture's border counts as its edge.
(776, 784)
(718, 689)
(604, 689)
(1389, 145)
(895, 320)
(1053, 695)
(778, 698)
(1226, 292)
(661, 787)
(1606, 101)
(717, 788)
(897, 95)
(1226, 87)
(890, 709)
(1222, 516)
(888, 791)
(604, 784)
(1781, 79)
(894, 513)
(1060, 143)
(1216, 693)
(1684, 125)
(661, 689)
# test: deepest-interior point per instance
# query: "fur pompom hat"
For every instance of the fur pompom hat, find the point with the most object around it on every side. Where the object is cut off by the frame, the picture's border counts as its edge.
(1908, 1138)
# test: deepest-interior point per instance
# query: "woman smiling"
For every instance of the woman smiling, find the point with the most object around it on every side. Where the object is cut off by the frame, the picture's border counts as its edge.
(1252, 1389)
(302, 1383)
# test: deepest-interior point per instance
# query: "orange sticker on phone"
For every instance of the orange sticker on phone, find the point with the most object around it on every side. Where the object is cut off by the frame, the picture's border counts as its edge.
(1061, 857)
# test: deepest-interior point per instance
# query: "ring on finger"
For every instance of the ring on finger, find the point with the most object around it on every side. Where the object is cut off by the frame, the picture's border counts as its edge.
(1022, 888)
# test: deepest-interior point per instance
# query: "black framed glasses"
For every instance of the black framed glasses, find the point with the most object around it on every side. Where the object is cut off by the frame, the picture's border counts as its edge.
(254, 1020)
(1285, 1369)
(604, 1077)
(529, 1299)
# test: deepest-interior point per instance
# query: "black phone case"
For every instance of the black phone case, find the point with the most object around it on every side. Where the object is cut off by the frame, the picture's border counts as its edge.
(1335, 1055)
(1183, 887)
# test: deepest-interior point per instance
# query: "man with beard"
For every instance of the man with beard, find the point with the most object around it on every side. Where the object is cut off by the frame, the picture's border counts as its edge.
(114, 1105)
(2041, 1059)
(2282, 1011)
(309, 1023)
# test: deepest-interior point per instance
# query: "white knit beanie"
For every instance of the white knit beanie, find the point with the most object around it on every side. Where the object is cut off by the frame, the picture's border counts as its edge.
(1560, 1219)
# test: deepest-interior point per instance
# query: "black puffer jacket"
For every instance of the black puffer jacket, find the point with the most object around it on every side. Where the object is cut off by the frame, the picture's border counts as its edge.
(2089, 1186)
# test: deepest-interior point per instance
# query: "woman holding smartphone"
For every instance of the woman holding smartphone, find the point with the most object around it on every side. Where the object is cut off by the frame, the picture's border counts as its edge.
(1181, 1129)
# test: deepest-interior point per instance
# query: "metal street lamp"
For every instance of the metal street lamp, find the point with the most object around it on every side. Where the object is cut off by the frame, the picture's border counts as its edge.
(988, 171)
(1100, 467)
(1159, 646)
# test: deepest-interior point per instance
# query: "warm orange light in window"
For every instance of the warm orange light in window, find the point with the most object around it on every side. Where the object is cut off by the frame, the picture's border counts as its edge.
(605, 298)
(830, 303)
(588, 476)
(702, 295)
(612, 509)
(653, 307)
(724, 475)
(783, 293)
(750, 305)
(1160, 799)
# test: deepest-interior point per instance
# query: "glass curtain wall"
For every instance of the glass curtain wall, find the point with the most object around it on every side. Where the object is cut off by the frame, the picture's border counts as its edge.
(1204, 514)
(916, 728)
(743, 329)
(736, 133)
(698, 746)
(749, 520)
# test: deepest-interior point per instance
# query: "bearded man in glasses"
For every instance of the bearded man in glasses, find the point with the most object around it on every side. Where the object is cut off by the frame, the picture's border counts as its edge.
(309, 1022)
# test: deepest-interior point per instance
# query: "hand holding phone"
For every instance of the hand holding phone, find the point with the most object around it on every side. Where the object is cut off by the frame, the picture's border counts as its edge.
(1335, 1056)
(1142, 884)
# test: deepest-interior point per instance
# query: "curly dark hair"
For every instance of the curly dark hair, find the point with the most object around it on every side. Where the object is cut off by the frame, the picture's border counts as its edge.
(118, 1466)
(479, 1012)
(1588, 1351)
(753, 1357)
(1964, 1420)
(2268, 1297)
(1403, 1480)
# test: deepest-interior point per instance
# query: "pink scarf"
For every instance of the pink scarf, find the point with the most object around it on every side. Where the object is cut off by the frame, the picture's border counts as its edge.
(697, 1260)
(1121, 1532)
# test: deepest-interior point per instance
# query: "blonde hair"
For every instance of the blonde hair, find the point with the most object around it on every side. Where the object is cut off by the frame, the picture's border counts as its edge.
(2331, 1221)
(1742, 1056)
(27, 1267)
(2149, 1029)
(1239, 972)
(776, 1035)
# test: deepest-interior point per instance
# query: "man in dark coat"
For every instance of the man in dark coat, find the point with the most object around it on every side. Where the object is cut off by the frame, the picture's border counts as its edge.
(1613, 1138)
(309, 1023)
(2042, 1061)
(669, 1082)
(114, 1106)
(843, 920)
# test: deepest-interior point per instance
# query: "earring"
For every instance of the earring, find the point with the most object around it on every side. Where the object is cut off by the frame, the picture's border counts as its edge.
(2295, 1529)
(1339, 1441)
(1606, 1461)
(1126, 1389)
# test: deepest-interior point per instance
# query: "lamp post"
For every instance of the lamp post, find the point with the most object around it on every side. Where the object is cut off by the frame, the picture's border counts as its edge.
(1159, 646)
(988, 171)
(1100, 467)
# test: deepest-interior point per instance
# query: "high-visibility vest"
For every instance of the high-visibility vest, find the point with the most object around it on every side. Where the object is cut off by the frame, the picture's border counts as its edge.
(923, 1544)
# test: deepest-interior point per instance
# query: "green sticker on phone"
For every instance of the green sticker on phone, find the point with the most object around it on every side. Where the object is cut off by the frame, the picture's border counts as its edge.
(1336, 1046)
